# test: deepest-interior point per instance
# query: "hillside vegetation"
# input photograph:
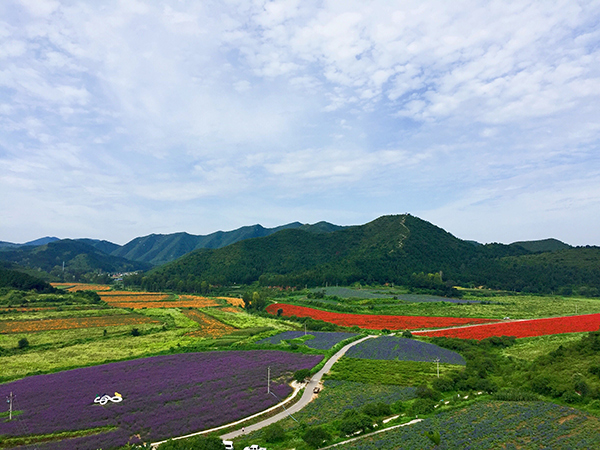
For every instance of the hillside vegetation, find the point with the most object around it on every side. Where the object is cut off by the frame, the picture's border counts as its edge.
(392, 249)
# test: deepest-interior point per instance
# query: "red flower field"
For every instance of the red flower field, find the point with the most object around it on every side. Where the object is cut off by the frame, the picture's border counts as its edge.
(375, 322)
(523, 328)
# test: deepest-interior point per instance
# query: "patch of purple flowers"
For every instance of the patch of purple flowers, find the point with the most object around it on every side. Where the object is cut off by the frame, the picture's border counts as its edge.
(163, 396)
(402, 349)
(323, 340)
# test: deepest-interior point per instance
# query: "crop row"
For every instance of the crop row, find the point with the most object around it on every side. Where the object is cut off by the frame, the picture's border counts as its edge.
(179, 394)
(524, 328)
(372, 321)
(209, 326)
(321, 340)
(508, 425)
(72, 287)
(118, 296)
(29, 326)
(402, 349)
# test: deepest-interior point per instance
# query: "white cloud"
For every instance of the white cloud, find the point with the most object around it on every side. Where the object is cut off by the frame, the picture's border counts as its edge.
(402, 103)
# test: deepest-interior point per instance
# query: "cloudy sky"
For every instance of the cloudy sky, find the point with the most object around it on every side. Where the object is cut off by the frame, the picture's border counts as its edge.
(123, 118)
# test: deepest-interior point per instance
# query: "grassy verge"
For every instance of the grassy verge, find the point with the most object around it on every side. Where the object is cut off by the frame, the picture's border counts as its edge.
(11, 442)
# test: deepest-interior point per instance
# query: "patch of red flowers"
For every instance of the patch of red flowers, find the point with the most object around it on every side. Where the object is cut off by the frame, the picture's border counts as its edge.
(372, 321)
(524, 328)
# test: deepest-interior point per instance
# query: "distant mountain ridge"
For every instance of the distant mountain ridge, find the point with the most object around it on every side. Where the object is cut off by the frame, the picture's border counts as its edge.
(139, 254)
(390, 249)
(159, 249)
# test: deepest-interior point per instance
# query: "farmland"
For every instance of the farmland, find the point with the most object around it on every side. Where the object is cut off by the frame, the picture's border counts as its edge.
(394, 348)
(180, 394)
(387, 369)
(314, 339)
(524, 328)
(372, 321)
(495, 425)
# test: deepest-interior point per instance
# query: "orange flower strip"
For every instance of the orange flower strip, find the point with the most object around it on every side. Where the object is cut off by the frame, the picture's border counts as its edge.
(29, 326)
(133, 296)
(373, 321)
(209, 326)
(230, 309)
(82, 287)
(234, 301)
(171, 304)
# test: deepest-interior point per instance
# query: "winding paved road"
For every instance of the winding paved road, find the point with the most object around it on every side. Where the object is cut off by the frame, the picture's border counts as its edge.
(305, 400)
(307, 396)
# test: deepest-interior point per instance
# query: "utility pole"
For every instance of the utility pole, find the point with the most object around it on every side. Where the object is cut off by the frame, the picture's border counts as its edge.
(9, 400)
(437, 360)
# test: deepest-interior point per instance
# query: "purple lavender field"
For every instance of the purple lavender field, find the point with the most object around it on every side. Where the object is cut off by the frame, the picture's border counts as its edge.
(402, 349)
(323, 340)
(163, 396)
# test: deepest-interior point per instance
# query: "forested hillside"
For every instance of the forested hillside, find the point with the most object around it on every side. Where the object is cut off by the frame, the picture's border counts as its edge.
(391, 249)
(78, 258)
(159, 249)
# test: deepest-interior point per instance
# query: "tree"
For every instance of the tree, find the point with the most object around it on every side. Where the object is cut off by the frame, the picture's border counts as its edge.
(316, 436)
(353, 422)
(274, 433)
(23, 343)
(301, 375)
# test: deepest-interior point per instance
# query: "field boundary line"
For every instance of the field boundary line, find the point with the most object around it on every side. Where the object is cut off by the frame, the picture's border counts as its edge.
(412, 422)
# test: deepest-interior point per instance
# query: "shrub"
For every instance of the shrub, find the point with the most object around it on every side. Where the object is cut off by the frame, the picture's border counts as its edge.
(443, 384)
(135, 332)
(378, 409)
(353, 422)
(316, 436)
(23, 343)
(422, 406)
(274, 433)
(301, 375)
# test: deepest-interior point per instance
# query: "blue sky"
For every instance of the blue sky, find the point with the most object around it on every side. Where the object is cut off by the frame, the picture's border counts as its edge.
(123, 118)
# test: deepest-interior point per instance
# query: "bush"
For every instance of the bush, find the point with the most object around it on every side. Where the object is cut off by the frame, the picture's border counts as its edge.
(274, 433)
(23, 343)
(378, 409)
(443, 384)
(353, 422)
(398, 407)
(422, 406)
(423, 391)
(135, 332)
(316, 436)
(301, 375)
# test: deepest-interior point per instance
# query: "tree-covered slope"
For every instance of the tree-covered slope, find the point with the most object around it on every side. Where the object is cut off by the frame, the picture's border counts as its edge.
(389, 249)
(78, 257)
(14, 279)
(158, 249)
(543, 245)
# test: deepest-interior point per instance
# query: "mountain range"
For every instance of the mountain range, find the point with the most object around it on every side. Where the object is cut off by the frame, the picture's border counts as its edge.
(390, 249)
(141, 253)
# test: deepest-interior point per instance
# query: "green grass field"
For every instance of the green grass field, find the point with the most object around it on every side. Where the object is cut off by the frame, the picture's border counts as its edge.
(401, 373)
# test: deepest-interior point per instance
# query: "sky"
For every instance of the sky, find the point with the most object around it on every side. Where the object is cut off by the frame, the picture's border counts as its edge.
(119, 119)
